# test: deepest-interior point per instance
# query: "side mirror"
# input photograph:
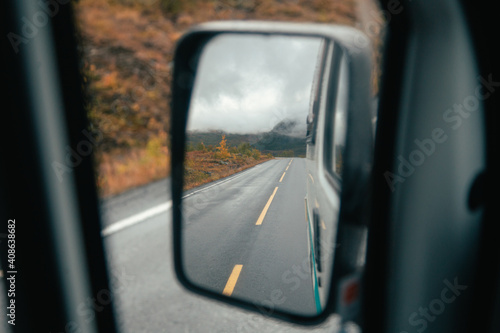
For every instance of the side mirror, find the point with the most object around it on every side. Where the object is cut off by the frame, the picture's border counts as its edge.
(272, 140)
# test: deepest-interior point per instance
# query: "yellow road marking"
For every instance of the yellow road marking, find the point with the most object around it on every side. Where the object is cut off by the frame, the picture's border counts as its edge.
(316, 204)
(231, 282)
(323, 225)
(282, 176)
(287, 168)
(310, 176)
(264, 211)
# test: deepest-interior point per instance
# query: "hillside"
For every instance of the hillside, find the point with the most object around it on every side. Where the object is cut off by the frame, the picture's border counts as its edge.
(127, 48)
(204, 164)
(285, 139)
(212, 138)
(281, 145)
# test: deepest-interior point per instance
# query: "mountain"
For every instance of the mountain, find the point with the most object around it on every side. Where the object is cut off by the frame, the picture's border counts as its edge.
(212, 138)
(286, 138)
(290, 127)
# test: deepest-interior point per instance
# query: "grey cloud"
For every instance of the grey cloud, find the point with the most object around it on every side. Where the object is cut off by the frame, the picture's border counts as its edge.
(249, 83)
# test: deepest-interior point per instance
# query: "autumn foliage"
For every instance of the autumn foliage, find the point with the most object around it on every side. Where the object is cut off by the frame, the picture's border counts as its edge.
(206, 165)
(127, 49)
(222, 152)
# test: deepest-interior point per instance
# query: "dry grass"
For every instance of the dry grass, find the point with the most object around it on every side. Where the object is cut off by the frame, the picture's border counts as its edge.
(121, 170)
(204, 167)
(128, 48)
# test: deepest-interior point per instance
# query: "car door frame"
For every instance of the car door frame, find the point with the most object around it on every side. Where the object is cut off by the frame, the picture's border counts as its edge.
(25, 164)
(62, 282)
(386, 233)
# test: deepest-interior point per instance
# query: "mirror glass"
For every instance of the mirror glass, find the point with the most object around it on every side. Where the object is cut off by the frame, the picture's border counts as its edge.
(253, 193)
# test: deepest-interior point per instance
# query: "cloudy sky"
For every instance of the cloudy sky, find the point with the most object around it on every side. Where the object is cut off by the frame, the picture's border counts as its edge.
(249, 83)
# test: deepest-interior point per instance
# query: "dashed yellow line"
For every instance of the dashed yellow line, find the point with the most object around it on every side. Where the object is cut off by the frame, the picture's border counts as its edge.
(287, 167)
(264, 211)
(312, 179)
(282, 176)
(231, 282)
(323, 225)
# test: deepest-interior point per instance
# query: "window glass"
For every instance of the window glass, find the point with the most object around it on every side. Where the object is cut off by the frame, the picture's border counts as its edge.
(340, 120)
(127, 50)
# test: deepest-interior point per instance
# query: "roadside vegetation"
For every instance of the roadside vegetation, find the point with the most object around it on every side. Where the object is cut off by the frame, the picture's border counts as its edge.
(204, 164)
(127, 48)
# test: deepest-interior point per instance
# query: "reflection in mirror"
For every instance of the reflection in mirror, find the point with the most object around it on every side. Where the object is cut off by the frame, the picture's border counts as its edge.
(251, 223)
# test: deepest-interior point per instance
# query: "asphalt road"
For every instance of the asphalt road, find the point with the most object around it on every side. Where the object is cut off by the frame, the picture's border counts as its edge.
(221, 222)
(223, 232)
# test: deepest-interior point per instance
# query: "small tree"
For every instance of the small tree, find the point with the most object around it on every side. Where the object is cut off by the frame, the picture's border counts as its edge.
(222, 151)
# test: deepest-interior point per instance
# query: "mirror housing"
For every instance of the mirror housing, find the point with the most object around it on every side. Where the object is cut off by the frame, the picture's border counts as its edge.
(357, 161)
